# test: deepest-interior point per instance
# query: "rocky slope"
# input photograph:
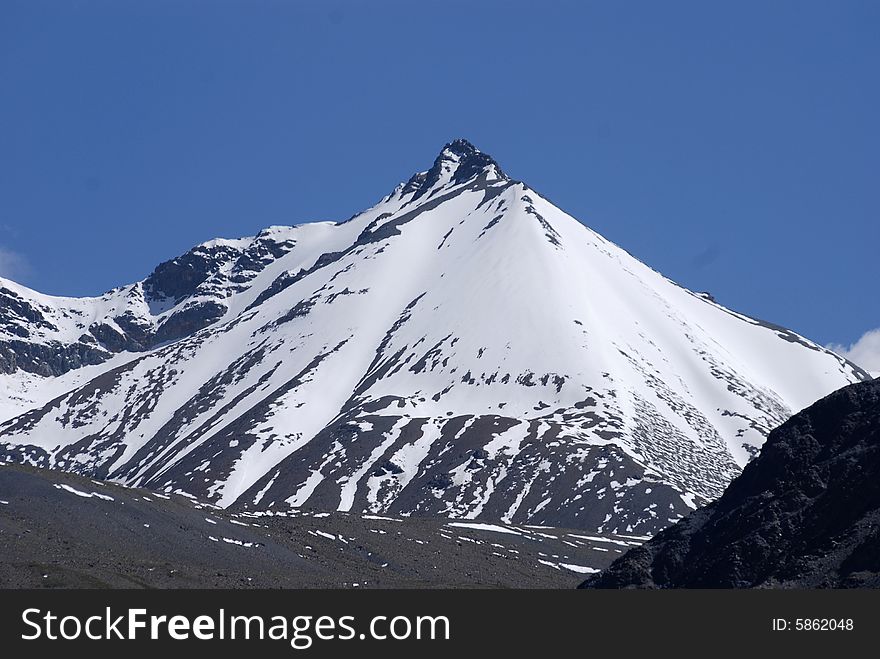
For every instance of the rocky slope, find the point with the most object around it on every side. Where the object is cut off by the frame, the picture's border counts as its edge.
(59, 530)
(804, 514)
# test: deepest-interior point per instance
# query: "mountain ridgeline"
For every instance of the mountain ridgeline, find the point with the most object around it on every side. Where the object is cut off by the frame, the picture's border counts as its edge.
(463, 348)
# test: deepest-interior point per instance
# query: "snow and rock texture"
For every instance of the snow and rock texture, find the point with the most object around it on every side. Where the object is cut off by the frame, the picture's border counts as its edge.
(463, 348)
(804, 514)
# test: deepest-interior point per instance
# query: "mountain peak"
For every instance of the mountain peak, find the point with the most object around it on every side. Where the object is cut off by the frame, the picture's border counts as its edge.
(459, 147)
(458, 162)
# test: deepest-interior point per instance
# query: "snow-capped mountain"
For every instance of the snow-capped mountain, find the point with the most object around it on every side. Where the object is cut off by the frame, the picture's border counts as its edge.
(462, 348)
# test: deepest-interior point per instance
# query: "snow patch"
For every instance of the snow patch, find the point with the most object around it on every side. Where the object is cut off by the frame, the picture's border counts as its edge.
(80, 493)
(479, 526)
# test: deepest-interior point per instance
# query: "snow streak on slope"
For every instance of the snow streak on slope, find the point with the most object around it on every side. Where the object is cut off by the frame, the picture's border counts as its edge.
(463, 348)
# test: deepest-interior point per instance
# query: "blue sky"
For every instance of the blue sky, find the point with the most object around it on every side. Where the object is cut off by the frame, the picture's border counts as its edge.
(732, 146)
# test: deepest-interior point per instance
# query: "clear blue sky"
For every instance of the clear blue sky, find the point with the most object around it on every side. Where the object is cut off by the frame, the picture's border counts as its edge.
(732, 146)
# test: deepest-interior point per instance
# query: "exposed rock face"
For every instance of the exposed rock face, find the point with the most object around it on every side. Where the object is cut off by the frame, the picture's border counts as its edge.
(51, 358)
(804, 514)
(181, 277)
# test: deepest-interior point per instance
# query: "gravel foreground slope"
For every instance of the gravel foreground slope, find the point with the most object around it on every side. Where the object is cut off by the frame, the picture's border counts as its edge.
(58, 530)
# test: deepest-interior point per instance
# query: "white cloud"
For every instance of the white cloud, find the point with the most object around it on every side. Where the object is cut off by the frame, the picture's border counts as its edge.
(12, 264)
(865, 352)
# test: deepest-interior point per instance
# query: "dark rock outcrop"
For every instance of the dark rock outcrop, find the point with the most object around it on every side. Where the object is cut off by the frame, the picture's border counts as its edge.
(48, 359)
(804, 514)
(181, 276)
(464, 158)
(188, 321)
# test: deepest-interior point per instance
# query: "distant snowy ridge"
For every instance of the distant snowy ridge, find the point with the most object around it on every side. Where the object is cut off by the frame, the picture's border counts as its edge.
(463, 348)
